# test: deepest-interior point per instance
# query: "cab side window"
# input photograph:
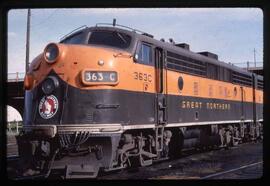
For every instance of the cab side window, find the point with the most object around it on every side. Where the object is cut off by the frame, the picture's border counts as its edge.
(145, 54)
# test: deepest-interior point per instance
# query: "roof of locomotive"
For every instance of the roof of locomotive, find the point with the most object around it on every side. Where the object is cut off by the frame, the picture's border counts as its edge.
(181, 51)
(167, 46)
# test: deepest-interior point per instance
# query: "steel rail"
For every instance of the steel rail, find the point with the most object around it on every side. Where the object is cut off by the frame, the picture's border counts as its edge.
(232, 170)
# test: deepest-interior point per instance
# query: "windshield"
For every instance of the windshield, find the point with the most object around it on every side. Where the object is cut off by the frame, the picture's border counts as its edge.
(78, 38)
(110, 38)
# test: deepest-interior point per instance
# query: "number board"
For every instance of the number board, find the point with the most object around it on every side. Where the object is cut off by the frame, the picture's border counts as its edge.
(100, 76)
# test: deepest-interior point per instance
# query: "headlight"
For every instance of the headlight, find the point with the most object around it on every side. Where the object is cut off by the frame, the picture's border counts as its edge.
(51, 53)
(49, 85)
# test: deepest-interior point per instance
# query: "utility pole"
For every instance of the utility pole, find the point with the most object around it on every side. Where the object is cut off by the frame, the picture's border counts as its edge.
(27, 41)
(254, 57)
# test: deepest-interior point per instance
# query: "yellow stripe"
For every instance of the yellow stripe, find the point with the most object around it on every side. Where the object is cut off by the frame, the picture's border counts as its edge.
(207, 88)
(137, 77)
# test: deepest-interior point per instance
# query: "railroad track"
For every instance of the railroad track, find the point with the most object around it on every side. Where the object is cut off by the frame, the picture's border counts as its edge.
(241, 162)
(243, 172)
(215, 164)
(12, 163)
(12, 148)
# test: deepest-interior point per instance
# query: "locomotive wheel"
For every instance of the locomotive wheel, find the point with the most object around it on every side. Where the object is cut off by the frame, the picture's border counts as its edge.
(261, 131)
(140, 161)
(221, 134)
(144, 162)
(236, 137)
(124, 160)
(175, 145)
(258, 131)
(228, 139)
(234, 142)
(135, 161)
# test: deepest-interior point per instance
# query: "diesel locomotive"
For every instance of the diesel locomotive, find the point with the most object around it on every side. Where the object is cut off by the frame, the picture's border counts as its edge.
(109, 97)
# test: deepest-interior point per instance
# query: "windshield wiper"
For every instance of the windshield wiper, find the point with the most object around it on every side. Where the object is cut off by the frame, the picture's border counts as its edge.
(121, 37)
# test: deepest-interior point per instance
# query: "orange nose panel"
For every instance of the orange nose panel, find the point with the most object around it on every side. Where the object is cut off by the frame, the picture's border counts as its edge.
(28, 81)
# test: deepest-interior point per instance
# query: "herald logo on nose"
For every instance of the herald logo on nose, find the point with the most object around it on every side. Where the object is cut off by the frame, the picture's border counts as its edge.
(48, 106)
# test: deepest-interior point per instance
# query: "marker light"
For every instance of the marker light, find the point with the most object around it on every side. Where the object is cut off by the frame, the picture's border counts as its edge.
(51, 53)
(100, 62)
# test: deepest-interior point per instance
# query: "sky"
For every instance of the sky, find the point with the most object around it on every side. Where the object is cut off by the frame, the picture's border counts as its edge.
(13, 114)
(231, 33)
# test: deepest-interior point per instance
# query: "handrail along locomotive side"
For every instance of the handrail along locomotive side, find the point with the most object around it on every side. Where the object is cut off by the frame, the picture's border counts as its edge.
(106, 98)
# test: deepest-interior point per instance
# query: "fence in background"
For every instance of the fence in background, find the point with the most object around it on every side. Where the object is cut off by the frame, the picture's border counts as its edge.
(16, 76)
(249, 65)
(14, 127)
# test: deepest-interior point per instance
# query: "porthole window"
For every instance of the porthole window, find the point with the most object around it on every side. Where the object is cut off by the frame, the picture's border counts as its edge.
(180, 83)
(235, 91)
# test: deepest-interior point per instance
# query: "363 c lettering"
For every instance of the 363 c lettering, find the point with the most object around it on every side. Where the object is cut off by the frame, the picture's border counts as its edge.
(143, 77)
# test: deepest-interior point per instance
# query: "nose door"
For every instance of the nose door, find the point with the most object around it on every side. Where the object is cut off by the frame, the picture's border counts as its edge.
(242, 102)
(161, 90)
(161, 99)
(254, 85)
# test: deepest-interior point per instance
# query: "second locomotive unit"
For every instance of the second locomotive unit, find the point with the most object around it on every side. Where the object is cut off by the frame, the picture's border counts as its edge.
(109, 97)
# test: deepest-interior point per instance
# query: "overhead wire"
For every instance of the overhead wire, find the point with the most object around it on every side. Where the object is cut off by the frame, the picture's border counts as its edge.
(36, 28)
(44, 20)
